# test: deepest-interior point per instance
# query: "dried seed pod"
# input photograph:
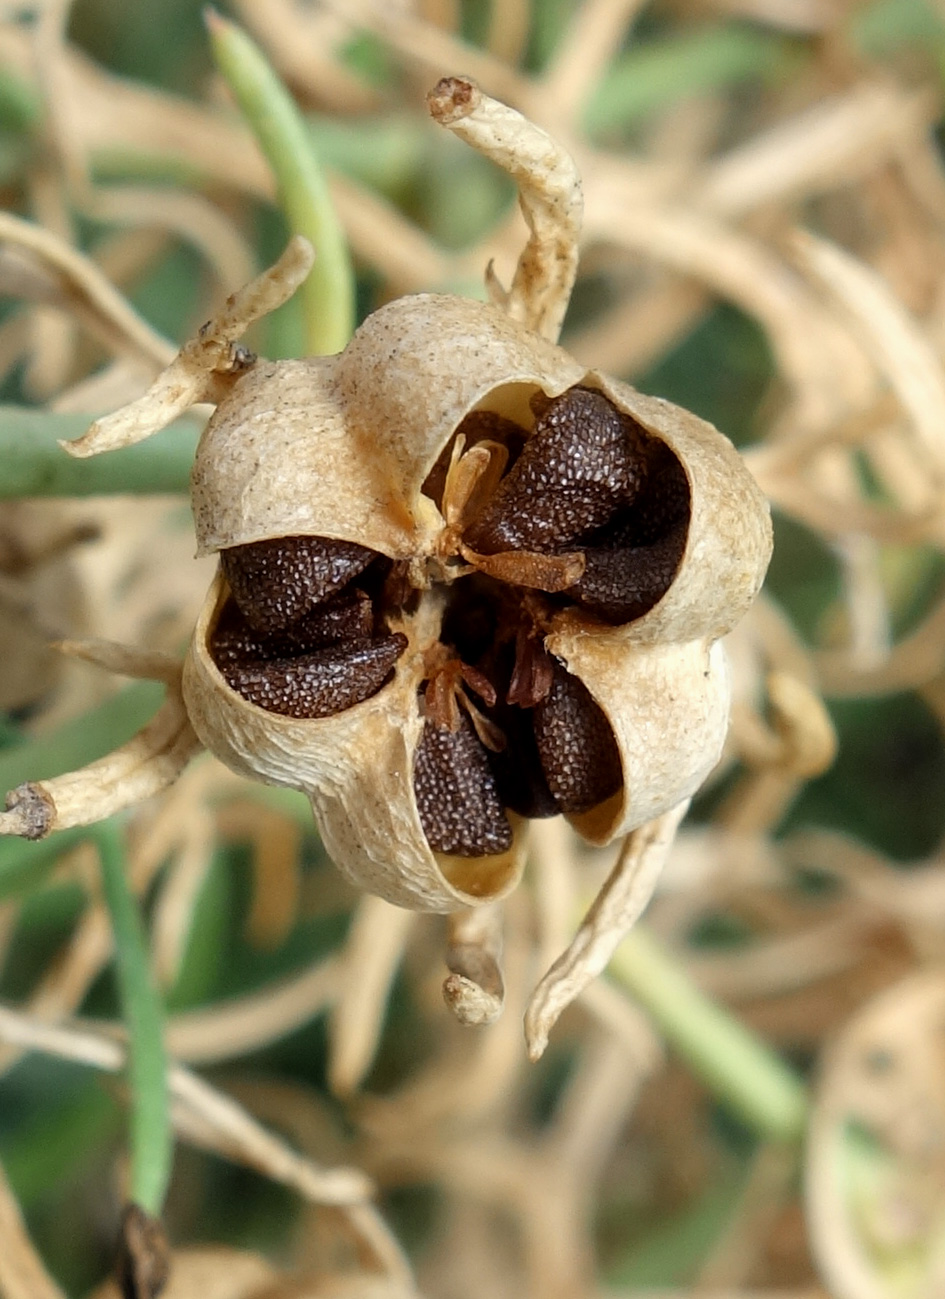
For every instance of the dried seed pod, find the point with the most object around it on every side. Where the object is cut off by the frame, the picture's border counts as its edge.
(358, 448)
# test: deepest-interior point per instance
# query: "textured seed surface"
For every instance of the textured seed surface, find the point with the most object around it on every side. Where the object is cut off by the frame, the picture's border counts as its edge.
(276, 582)
(584, 461)
(319, 684)
(623, 583)
(661, 507)
(578, 751)
(457, 799)
(346, 618)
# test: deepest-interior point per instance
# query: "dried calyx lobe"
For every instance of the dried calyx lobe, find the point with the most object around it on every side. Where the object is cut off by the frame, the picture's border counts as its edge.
(589, 478)
(306, 635)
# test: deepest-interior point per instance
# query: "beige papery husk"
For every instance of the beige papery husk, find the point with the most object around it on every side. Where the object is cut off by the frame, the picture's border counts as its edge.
(339, 447)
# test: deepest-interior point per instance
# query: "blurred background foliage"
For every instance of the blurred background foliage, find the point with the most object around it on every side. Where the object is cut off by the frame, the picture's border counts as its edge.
(667, 1197)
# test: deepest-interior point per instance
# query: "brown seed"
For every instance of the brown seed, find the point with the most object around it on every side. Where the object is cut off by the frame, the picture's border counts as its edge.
(456, 793)
(319, 684)
(631, 563)
(277, 582)
(579, 754)
(620, 584)
(348, 618)
(584, 462)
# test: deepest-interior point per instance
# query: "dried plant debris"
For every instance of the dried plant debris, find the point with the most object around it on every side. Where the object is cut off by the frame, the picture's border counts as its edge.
(144, 1263)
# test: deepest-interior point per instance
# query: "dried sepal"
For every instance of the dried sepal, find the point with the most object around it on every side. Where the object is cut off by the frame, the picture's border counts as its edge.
(148, 763)
(124, 660)
(616, 908)
(549, 194)
(206, 363)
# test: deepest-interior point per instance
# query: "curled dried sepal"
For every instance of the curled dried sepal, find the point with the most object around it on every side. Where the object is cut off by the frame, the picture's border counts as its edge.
(474, 989)
(206, 364)
(148, 763)
(616, 908)
(356, 768)
(124, 660)
(549, 194)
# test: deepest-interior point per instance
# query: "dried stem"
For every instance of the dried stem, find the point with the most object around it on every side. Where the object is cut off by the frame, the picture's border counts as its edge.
(474, 989)
(222, 1125)
(144, 766)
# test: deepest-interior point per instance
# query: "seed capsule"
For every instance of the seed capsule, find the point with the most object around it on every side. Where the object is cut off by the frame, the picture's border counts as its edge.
(583, 463)
(578, 752)
(320, 684)
(616, 726)
(457, 798)
(277, 582)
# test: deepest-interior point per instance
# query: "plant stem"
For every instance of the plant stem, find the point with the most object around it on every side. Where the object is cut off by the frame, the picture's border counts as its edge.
(34, 464)
(754, 1083)
(151, 1137)
(328, 293)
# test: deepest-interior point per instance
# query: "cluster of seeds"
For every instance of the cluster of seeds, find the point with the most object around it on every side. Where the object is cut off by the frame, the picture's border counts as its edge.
(585, 511)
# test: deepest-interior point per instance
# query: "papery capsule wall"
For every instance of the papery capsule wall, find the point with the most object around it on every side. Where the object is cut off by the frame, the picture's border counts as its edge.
(357, 770)
(340, 448)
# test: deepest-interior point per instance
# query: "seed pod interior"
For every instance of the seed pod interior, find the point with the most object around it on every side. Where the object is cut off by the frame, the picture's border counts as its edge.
(356, 768)
(551, 557)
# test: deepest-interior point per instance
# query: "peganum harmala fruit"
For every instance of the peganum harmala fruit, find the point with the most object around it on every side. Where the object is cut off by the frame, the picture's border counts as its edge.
(464, 582)
(528, 537)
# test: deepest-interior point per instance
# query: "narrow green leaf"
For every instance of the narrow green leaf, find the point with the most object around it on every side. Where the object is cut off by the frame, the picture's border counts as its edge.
(151, 1135)
(34, 464)
(743, 1074)
(328, 295)
(654, 75)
